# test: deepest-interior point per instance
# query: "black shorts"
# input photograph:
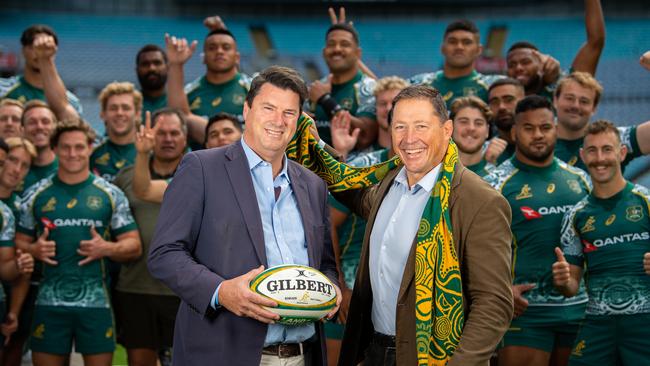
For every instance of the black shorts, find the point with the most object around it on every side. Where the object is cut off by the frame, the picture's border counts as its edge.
(145, 321)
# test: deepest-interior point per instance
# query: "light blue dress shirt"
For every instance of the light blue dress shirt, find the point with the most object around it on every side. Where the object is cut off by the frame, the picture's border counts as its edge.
(284, 235)
(391, 240)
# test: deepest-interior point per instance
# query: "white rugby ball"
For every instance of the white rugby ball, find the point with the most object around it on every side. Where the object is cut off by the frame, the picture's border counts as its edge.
(303, 294)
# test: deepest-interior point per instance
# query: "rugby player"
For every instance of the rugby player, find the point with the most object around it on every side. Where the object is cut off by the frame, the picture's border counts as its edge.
(11, 112)
(606, 238)
(72, 222)
(471, 118)
(540, 189)
(39, 122)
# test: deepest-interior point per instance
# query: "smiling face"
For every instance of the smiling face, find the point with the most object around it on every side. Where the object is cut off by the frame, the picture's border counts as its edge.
(15, 168)
(39, 126)
(471, 129)
(341, 51)
(524, 66)
(271, 121)
(603, 153)
(73, 151)
(575, 106)
(419, 137)
(10, 121)
(120, 115)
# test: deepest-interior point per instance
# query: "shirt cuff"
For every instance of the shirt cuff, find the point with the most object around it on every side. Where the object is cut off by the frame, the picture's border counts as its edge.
(215, 299)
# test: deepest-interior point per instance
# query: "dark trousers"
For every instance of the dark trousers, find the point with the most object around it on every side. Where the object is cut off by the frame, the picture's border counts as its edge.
(381, 351)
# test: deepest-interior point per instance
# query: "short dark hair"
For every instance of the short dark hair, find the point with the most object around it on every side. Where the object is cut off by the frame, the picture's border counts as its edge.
(522, 44)
(533, 102)
(603, 126)
(344, 27)
(223, 116)
(33, 104)
(172, 112)
(506, 81)
(4, 146)
(281, 77)
(150, 48)
(27, 38)
(461, 24)
(71, 125)
(423, 92)
(221, 31)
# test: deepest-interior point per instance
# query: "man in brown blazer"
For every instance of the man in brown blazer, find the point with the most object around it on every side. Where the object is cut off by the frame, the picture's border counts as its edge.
(381, 325)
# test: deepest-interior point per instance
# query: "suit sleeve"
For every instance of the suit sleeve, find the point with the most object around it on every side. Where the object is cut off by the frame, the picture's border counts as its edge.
(487, 282)
(179, 222)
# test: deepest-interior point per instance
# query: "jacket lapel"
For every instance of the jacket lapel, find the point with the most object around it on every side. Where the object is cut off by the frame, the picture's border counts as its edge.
(242, 184)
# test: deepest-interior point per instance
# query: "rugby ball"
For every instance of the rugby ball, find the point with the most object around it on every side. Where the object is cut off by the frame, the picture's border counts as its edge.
(303, 294)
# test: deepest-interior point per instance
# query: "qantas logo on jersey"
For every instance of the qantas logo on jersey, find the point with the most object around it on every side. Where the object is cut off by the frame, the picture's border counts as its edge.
(588, 247)
(623, 238)
(531, 213)
(78, 222)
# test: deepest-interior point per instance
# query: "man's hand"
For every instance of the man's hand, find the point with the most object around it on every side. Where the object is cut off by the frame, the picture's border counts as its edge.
(343, 138)
(339, 298)
(44, 47)
(9, 326)
(214, 23)
(318, 88)
(93, 249)
(144, 139)
(562, 270)
(550, 67)
(341, 17)
(646, 263)
(346, 296)
(178, 49)
(44, 250)
(236, 296)
(495, 148)
(521, 304)
(24, 262)
(645, 60)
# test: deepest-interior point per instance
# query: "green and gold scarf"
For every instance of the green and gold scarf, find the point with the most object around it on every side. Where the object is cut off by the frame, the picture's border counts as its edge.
(438, 300)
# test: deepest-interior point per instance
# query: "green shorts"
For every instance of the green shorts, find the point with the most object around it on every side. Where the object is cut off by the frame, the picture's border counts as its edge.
(3, 314)
(545, 327)
(604, 339)
(334, 330)
(55, 328)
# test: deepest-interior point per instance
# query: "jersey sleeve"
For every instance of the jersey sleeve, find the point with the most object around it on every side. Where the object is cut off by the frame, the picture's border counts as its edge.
(74, 102)
(366, 95)
(570, 239)
(7, 227)
(27, 220)
(121, 220)
(629, 139)
(426, 78)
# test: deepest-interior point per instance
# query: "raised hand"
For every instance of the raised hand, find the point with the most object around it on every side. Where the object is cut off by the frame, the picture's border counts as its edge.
(144, 139)
(496, 147)
(44, 46)
(341, 17)
(318, 88)
(236, 296)
(645, 60)
(550, 70)
(92, 249)
(45, 250)
(178, 49)
(214, 23)
(343, 138)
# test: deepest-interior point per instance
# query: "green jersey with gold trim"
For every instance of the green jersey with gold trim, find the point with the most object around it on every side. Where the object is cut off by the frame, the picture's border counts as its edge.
(539, 197)
(474, 84)
(108, 158)
(356, 96)
(151, 104)
(13, 202)
(37, 173)
(69, 212)
(482, 168)
(609, 238)
(207, 99)
(569, 150)
(16, 87)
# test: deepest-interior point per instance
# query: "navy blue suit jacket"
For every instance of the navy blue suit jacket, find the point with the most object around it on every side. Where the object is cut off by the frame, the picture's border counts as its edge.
(209, 230)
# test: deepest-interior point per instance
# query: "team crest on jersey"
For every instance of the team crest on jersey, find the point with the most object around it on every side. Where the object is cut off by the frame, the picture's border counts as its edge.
(574, 186)
(525, 193)
(572, 161)
(448, 96)
(50, 205)
(238, 99)
(109, 332)
(589, 225)
(469, 91)
(634, 213)
(22, 99)
(71, 203)
(577, 350)
(94, 202)
(120, 164)
(103, 160)
(216, 101)
(550, 188)
(346, 103)
(38, 332)
(610, 219)
(196, 103)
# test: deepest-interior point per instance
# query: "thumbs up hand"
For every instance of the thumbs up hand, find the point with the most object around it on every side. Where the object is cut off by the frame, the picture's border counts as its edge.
(561, 270)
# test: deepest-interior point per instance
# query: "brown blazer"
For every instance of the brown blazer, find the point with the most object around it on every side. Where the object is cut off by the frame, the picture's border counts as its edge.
(481, 218)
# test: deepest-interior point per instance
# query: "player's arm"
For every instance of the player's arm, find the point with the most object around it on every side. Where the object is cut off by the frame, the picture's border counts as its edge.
(8, 268)
(589, 53)
(178, 52)
(566, 277)
(53, 86)
(643, 137)
(19, 290)
(143, 186)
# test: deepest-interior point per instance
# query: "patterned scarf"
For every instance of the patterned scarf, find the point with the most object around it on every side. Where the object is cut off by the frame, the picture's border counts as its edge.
(437, 271)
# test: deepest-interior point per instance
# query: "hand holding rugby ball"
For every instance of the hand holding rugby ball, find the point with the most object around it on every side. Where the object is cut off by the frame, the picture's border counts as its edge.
(303, 294)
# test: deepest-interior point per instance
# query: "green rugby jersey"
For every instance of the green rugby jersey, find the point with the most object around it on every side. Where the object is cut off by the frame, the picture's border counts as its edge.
(16, 87)
(207, 99)
(108, 158)
(36, 173)
(356, 96)
(7, 234)
(475, 84)
(482, 168)
(569, 150)
(150, 104)
(609, 238)
(69, 211)
(539, 197)
(13, 202)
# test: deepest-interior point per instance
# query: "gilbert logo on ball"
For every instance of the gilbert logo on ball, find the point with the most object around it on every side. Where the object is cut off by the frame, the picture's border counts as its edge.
(303, 294)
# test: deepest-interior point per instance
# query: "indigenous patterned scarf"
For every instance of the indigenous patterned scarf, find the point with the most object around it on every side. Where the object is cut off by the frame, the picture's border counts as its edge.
(437, 271)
